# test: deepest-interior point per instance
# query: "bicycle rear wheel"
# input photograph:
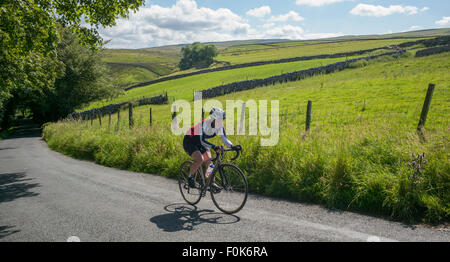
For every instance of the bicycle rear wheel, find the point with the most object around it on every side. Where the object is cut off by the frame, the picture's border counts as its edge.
(191, 195)
(232, 193)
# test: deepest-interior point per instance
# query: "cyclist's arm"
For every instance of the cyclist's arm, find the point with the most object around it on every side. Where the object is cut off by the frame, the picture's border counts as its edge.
(204, 124)
(225, 139)
(205, 143)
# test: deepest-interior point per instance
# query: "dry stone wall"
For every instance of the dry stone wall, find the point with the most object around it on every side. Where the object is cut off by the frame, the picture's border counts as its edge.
(286, 60)
(113, 108)
(292, 76)
(433, 50)
(427, 42)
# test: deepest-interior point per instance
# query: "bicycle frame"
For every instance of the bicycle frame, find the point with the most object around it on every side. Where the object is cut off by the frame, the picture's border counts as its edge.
(224, 181)
(217, 164)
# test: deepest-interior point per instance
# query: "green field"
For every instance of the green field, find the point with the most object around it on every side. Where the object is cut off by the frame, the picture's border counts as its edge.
(246, 54)
(183, 88)
(126, 74)
(132, 66)
(162, 61)
(417, 33)
(355, 156)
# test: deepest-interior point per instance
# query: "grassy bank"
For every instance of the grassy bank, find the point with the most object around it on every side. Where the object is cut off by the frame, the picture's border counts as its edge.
(355, 157)
(362, 167)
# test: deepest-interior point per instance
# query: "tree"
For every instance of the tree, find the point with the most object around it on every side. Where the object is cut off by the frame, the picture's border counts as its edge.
(28, 37)
(81, 78)
(197, 55)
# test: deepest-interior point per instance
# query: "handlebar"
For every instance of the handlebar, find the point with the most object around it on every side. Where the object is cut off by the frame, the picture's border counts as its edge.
(238, 152)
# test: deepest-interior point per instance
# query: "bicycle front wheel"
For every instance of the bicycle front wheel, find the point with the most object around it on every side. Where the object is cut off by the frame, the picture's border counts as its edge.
(232, 191)
(191, 195)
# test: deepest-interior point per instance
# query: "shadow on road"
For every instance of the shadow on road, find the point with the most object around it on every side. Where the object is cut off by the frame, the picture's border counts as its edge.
(7, 230)
(7, 148)
(15, 185)
(186, 217)
(24, 128)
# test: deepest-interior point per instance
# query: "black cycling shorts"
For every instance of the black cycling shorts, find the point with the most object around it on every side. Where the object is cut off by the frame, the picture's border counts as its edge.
(192, 144)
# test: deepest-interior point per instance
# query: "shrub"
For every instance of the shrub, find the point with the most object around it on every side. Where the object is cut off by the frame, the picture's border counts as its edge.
(340, 181)
(197, 55)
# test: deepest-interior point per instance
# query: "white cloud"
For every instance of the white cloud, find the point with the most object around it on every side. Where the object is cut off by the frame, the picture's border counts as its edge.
(318, 2)
(272, 30)
(285, 31)
(321, 35)
(260, 11)
(378, 10)
(414, 27)
(444, 21)
(269, 25)
(291, 16)
(184, 22)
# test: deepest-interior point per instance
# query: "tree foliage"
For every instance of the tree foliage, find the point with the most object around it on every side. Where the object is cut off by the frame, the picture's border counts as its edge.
(197, 55)
(29, 37)
(80, 78)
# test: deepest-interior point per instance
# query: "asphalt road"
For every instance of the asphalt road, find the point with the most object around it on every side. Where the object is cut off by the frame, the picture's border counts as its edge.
(46, 196)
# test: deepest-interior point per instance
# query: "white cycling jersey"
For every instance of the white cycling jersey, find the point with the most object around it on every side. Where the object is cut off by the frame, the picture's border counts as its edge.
(206, 129)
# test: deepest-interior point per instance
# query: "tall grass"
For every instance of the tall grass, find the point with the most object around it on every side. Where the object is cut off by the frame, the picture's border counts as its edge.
(359, 167)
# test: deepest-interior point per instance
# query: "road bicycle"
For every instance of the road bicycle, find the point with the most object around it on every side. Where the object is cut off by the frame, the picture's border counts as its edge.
(230, 191)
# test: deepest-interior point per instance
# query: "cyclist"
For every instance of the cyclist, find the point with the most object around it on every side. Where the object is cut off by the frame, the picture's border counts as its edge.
(196, 145)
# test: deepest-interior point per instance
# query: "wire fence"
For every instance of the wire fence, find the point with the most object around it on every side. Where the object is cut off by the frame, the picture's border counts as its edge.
(325, 115)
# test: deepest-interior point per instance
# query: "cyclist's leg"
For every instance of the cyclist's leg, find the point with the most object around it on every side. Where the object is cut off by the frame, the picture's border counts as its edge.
(207, 161)
(207, 158)
(198, 160)
(192, 148)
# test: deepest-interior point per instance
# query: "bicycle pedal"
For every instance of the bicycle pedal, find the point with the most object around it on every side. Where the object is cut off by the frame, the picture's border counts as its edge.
(214, 190)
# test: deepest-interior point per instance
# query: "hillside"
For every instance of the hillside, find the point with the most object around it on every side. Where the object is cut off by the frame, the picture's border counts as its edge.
(182, 88)
(132, 66)
(416, 33)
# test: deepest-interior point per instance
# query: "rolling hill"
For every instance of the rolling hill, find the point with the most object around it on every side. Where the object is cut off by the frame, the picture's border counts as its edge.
(132, 66)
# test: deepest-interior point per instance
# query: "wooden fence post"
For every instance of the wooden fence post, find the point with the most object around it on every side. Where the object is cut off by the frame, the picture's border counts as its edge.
(241, 130)
(92, 118)
(426, 106)
(308, 115)
(151, 116)
(99, 118)
(130, 115)
(109, 120)
(174, 114)
(118, 119)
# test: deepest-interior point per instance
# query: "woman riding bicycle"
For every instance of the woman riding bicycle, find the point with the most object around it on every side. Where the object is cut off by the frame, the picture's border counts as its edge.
(196, 145)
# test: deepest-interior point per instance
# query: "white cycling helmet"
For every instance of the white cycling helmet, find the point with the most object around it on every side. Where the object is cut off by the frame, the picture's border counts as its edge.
(217, 113)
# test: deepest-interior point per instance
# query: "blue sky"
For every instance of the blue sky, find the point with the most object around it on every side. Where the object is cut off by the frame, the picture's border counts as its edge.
(163, 22)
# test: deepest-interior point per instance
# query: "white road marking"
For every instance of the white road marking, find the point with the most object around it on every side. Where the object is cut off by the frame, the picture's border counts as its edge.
(342, 231)
(73, 239)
